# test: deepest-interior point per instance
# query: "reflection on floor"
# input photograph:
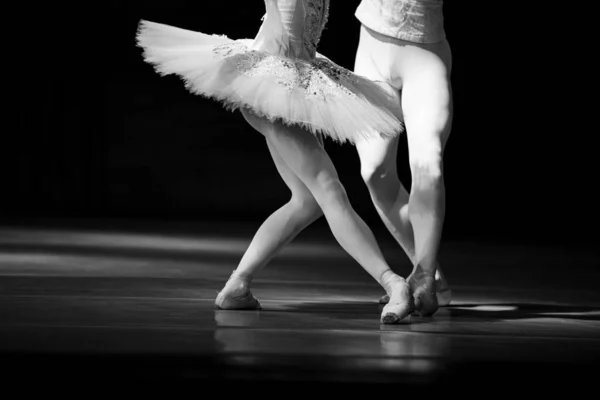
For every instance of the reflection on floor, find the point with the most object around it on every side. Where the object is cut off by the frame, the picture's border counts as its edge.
(139, 307)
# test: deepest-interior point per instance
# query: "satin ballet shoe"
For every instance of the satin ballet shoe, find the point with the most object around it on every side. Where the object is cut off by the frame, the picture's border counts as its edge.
(422, 286)
(236, 295)
(400, 306)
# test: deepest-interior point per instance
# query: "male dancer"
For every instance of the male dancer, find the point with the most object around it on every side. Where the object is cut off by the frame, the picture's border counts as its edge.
(403, 44)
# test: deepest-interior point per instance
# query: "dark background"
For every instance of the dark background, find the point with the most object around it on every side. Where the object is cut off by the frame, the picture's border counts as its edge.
(94, 133)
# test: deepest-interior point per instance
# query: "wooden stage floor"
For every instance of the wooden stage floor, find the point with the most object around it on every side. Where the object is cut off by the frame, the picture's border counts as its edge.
(138, 307)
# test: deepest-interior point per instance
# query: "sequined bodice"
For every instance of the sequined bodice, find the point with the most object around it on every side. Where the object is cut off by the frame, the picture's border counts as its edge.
(293, 27)
(315, 21)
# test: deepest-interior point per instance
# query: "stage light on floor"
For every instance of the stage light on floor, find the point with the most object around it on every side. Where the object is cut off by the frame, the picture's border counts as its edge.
(153, 242)
(490, 308)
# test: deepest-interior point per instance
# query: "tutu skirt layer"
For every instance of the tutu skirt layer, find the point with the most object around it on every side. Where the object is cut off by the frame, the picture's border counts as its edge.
(319, 95)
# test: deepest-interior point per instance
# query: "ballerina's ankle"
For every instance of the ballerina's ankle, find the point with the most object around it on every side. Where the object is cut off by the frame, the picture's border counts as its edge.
(241, 276)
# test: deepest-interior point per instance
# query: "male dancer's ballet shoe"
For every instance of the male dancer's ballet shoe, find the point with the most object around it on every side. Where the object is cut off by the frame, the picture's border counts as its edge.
(401, 304)
(236, 295)
(422, 286)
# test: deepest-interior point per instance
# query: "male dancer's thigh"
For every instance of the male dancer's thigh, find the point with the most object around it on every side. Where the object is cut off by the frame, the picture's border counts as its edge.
(373, 61)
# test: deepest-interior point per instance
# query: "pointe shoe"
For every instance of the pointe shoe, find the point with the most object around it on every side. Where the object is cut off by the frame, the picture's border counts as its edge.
(401, 304)
(443, 294)
(236, 295)
(423, 289)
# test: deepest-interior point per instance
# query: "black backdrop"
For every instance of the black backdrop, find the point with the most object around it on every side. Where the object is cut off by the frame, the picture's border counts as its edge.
(95, 133)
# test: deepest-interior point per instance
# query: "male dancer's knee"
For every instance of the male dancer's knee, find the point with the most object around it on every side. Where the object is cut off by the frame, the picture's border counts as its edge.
(427, 178)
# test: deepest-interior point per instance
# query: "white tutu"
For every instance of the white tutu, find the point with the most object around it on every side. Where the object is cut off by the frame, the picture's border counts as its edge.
(317, 94)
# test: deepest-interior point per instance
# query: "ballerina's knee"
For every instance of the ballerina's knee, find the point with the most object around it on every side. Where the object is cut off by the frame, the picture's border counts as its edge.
(329, 191)
(306, 208)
